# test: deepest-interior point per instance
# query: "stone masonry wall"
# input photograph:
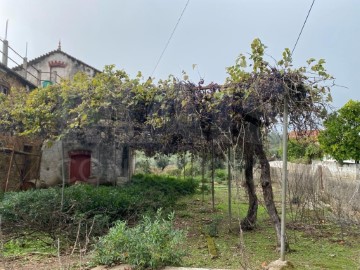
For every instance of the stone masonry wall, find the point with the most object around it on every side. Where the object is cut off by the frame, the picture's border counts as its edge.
(107, 158)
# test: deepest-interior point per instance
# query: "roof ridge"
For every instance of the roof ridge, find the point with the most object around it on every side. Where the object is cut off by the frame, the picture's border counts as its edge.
(37, 59)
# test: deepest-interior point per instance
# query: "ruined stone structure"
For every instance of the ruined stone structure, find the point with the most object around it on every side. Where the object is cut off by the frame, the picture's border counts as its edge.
(19, 162)
(9, 78)
(19, 157)
(93, 155)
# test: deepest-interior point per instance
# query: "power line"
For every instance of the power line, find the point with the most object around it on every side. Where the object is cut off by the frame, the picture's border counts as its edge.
(172, 33)
(302, 28)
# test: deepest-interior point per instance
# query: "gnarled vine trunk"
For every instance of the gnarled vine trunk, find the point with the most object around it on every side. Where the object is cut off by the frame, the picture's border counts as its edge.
(249, 222)
(266, 185)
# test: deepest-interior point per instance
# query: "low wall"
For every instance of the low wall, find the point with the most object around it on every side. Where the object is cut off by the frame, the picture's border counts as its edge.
(337, 185)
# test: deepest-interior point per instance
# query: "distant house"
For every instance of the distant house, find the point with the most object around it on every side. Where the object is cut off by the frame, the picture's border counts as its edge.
(53, 66)
(90, 155)
(306, 134)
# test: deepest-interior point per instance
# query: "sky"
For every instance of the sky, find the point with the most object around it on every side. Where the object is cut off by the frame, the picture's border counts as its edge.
(211, 34)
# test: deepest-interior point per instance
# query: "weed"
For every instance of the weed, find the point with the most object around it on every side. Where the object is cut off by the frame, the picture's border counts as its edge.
(151, 244)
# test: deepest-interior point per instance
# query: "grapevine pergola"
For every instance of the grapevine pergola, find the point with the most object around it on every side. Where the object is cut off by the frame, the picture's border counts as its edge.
(176, 116)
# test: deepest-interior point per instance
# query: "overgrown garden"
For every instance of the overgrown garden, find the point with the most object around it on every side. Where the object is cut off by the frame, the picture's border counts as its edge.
(228, 122)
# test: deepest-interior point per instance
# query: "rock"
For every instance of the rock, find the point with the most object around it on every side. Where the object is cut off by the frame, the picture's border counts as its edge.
(212, 247)
(280, 265)
(189, 268)
(119, 267)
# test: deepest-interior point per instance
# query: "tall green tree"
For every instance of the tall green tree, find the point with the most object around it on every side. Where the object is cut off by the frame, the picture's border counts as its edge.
(341, 137)
(303, 150)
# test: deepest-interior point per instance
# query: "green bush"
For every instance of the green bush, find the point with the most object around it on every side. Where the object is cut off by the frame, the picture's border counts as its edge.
(143, 166)
(150, 244)
(86, 206)
(220, 175)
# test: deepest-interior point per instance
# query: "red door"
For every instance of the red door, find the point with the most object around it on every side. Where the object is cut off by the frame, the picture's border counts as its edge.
(80, 162)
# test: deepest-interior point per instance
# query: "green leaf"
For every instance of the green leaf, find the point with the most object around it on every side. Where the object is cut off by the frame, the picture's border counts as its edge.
(309, 61)
(183, 103)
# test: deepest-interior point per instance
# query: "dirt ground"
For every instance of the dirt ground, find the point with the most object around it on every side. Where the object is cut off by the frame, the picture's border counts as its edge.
(36, 262)
(41, 262)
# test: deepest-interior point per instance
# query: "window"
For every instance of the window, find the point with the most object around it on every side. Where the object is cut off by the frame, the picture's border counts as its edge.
(4, 89)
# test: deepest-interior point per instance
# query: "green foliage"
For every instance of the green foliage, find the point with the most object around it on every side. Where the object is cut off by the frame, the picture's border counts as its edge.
(296, 150)
(303, 150)
(313, 151)
(161, 161)
(151, 244)
(143, 166)
(341, 137)
(220, 175)
(181, 161)
(274, 143)
(29, 243)
(176, 116)
(212, 229)
(86, 205)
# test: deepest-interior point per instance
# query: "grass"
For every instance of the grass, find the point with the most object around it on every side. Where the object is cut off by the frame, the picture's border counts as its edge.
(315, 246)
(34, 245)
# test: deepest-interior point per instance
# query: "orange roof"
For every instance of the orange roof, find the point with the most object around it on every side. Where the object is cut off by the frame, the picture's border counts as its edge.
(302, 134)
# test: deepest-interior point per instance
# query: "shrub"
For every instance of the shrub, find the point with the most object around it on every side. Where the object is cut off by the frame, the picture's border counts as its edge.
(87, 206)
(220, 175)
(150, 244)
(143, 166)
(162, 161)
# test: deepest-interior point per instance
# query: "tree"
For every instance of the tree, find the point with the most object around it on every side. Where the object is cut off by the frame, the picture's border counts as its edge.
(162, 161)
(303, 150)
(341, 136)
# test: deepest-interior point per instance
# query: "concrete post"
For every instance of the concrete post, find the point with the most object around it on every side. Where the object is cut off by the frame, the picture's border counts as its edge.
(5, 52)
(284, 180)
(25, 67)
(39, 77)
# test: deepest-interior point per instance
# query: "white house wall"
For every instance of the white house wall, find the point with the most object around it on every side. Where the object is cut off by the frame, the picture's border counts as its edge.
(72, 67)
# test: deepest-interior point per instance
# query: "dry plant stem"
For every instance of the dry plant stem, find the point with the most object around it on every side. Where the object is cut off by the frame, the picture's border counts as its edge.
(2, 244)
(87, 241)
(244, 257)
(245, 262)
(77, 239)
(58, 250)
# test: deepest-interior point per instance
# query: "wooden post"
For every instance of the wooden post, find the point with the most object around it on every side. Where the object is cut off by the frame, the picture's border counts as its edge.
(203, 175)
(229, 187)
(9, 170)
(212, 175)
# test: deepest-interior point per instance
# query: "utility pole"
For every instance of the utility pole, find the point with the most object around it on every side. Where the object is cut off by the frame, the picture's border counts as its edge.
(5, 47)
(25, 62)
(284, 179)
